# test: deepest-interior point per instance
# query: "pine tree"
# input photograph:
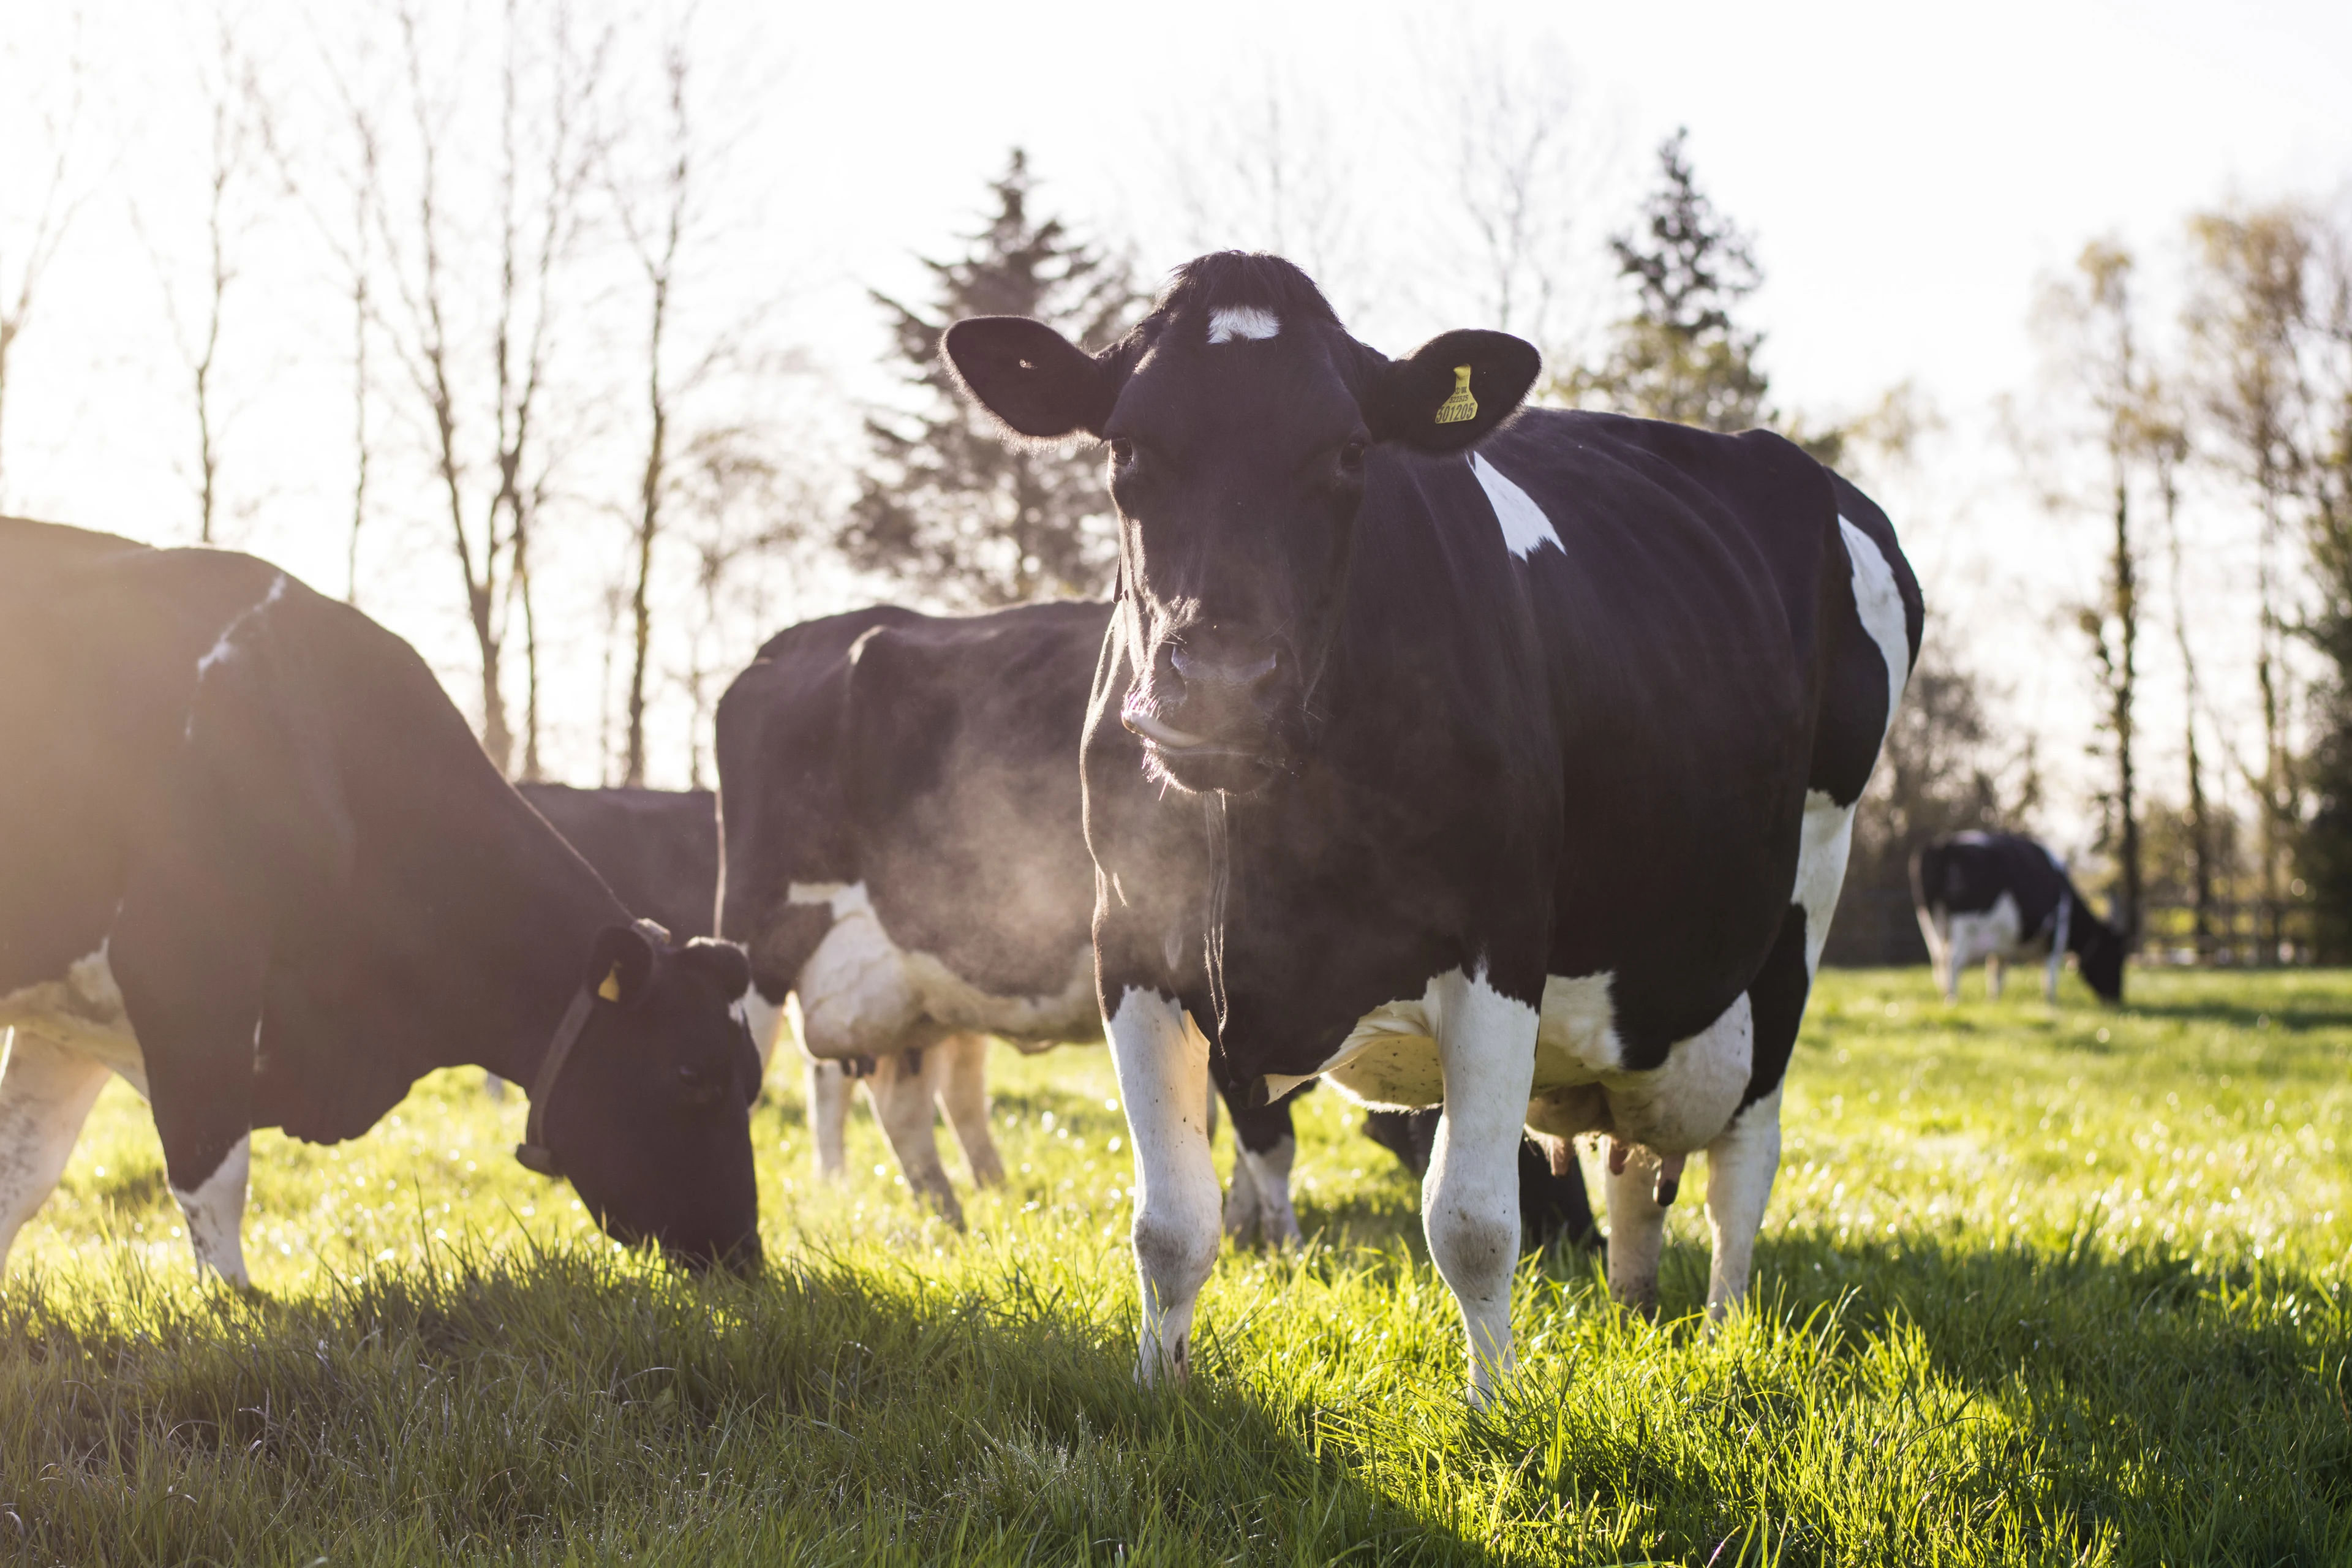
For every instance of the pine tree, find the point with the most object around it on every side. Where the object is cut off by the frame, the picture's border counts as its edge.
(1680, 355)
(947, 504)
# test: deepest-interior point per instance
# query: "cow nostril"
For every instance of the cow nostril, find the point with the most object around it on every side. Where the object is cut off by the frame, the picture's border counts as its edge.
(1245, 677)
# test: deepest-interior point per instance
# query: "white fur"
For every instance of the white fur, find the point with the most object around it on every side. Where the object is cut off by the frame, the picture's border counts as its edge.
(1879, 603)
(828, 1088)
(1740, 1165)
(1470, 1199)
(763, 1019)
(860, 992)
(1227, 322)
(215, 1212)
(1162, 1063)
(1525, 527)
(45, 1093)
(1958, 941)
(1267, 1177)
(224, 646)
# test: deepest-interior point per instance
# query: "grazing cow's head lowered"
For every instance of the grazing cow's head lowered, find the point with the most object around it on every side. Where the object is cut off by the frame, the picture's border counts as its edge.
(646, 1116)
(1242, 421)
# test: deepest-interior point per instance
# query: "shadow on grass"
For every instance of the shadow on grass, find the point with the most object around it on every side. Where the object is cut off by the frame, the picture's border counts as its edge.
(570, 1407)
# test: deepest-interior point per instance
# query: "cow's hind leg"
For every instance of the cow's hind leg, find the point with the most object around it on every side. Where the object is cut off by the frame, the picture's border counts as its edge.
(1163, 1080)
(828, 1088)
(1470, 1200)
(45, 1093)
(904, 1087)
(1637, 1227)
(1740, 1165)
(1992, 977)
(1265, 1145)
(963, 1095)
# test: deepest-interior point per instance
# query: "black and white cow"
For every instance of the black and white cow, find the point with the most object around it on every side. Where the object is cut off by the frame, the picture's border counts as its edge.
(904, 864)
(657, 849)
(252, 861)
(1505, 765)
(1998, 898)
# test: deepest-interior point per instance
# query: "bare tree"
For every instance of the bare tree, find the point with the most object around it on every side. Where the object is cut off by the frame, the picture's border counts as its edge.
(2248, 318)
(235, 146)
(2092, 335)
(31, 237)
(549, 78)
(1266, 171)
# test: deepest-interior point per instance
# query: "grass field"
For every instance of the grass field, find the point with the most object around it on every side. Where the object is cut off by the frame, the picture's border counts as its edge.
(2036, 1286)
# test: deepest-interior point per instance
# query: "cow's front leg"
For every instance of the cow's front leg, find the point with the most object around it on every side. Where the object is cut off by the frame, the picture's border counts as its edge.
(1470, 1199)
(1740, 1165)
(1163, 1080)
(1265, 1145)
(1992, 978)
(45, 1093)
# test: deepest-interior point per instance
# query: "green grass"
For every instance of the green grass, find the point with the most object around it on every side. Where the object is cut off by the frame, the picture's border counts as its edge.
(2036, 1286)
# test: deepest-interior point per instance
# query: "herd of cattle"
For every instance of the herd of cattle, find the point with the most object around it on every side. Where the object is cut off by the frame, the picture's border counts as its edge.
(1496, 764)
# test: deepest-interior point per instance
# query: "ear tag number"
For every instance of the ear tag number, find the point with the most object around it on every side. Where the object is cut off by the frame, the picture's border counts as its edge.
(611, 990)
(1460, 408)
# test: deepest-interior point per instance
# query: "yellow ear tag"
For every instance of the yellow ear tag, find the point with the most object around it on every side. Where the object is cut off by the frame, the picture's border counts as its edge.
(1460, 408)
(611, 990)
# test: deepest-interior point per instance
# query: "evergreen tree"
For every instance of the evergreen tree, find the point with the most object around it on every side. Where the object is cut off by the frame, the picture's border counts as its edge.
(947, 504)
(1680, 356)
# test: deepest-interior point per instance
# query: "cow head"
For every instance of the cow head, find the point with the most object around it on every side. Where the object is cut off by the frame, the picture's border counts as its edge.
(1244, 424)
(2099, 954)
(649, 1115)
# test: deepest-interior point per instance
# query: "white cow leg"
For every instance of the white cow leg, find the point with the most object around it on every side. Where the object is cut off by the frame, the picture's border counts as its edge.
(828, 1088)
(765, 1020)
(215, 1212)
(1740, 1165)
(1163, 1079)
(902, 1089)
(1637, 1231)
(1992, 978)
(1470, 1199)
(45, 1093)
(963, 1095)
(1940, 955)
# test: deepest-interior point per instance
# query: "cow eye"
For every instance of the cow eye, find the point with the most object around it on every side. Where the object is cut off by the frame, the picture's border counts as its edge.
(1122, 451)
(1351, 456)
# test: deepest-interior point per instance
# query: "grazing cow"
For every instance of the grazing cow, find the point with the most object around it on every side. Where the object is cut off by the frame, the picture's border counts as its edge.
(1999, 898)
(253, 861)
(904, 864)
(1509, 767)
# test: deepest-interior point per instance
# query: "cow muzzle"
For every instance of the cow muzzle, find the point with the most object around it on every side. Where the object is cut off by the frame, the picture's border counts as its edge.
(1209, 713)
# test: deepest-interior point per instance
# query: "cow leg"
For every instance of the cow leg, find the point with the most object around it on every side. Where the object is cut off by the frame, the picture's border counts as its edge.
(1740, 1165)
(192, 976)
(1637, 1228)
(1940, 955)
(1163, 1079)
(1470, 1200)
(828, 1088)
(1243, 1215)
(1264, 1148)
(1992, 977)
(963, 1095)
(45, 1093)
(903, 1088)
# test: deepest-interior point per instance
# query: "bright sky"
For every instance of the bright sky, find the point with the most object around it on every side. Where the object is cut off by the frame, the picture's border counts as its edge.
(1907, 174)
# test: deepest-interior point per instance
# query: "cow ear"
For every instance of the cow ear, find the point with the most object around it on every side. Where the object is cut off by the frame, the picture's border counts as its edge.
(621, 965)
(1029, 375)
(723, 961)
(1448, 393)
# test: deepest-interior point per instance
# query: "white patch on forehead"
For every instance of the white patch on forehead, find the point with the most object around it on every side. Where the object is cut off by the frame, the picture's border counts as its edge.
(1524, 526)
(1227, 322)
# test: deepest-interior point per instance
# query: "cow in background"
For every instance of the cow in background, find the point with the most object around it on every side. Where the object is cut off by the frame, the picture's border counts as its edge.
(1999, 898)
(253, 862)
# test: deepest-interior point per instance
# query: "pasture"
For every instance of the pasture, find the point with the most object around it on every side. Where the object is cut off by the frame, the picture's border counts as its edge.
(2035, 1287)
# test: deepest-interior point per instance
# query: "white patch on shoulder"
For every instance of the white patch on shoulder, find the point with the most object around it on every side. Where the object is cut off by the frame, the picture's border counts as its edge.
(860, 992)
(1227, 322)
(215, 1212)
(224, 646)
(1525, 527)
(1880, 605)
